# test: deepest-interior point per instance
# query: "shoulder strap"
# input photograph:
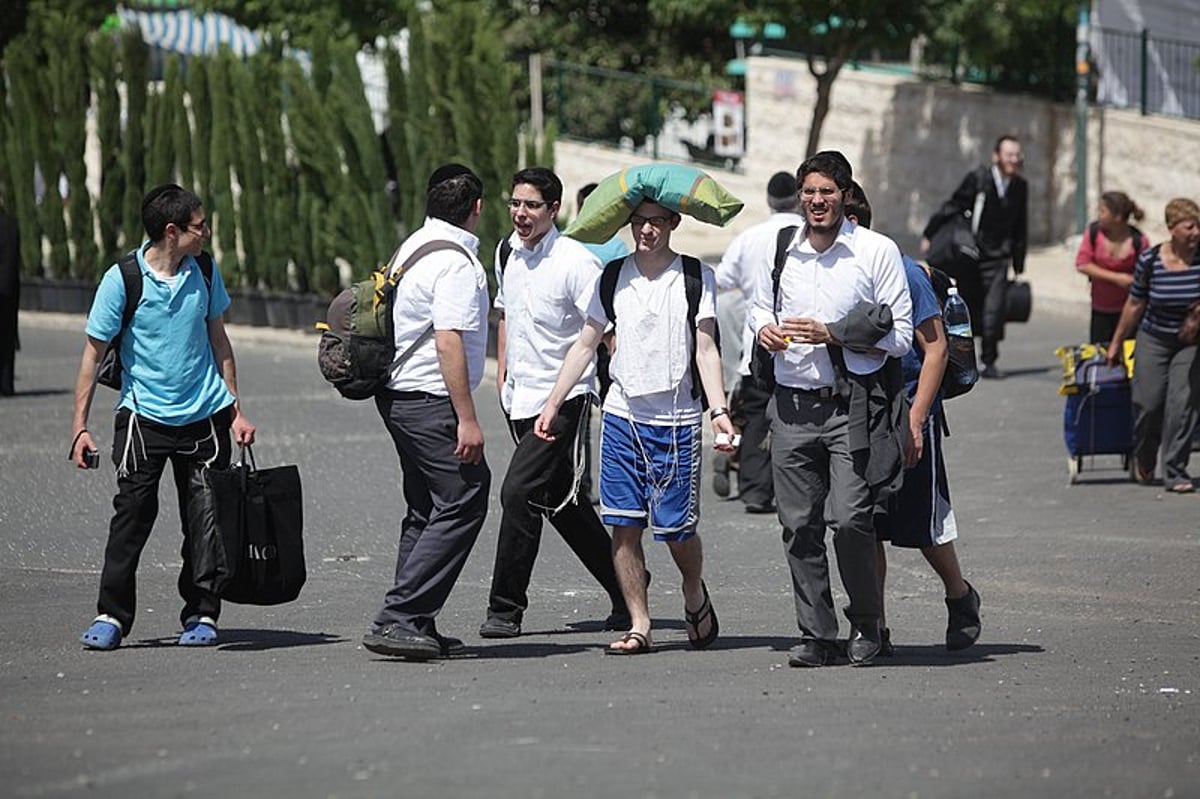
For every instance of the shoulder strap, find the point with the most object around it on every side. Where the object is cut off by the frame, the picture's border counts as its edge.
(1139, 240)
(1093, 230)
(608, 287)
(505, 253)
(782, 240)
(693, 287)
(131, 275)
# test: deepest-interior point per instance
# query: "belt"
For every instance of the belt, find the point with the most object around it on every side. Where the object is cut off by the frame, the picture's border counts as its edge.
(825, 392)
(410, 395)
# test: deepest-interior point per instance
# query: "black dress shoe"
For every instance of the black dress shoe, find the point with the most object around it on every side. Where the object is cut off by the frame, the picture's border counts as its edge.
(886, 650)
(499, 628)
(863, 646)
(449, 645)
(760, 507)
(393, 640)
(811, 653)
(964, 626)
(990, 372)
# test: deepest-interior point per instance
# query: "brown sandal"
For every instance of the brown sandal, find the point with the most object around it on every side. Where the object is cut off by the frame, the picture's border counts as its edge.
(642, 645)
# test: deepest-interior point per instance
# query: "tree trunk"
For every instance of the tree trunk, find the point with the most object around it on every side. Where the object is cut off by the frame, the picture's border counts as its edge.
(825, 79)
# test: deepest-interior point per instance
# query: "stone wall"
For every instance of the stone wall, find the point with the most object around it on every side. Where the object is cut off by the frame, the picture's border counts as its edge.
(912, 141)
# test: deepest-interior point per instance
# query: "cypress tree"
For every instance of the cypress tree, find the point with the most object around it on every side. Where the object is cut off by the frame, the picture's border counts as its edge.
(397, 114)
(166, 106)
(103, 62)
(198, 93)
(71, 100)
(135, 69)
(249, 163)
(181, 134)
(423, 149)
(6, 175)
(221, 210)
(41, 121)
(279, 213)
(21, 65)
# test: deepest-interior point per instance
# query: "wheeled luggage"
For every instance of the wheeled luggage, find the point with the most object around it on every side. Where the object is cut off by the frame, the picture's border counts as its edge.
(1098, 416)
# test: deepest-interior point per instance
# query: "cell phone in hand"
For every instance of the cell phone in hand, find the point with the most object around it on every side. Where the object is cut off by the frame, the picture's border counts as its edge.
(91, 459)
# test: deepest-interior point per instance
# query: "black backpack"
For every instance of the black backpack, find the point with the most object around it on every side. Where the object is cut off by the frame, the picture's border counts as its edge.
(110, 370)
(693, 284)
(962, 370)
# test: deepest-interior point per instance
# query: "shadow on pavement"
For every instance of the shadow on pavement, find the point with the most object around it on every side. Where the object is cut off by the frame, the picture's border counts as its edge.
(259, 640)
(41, 392)
(937, 655)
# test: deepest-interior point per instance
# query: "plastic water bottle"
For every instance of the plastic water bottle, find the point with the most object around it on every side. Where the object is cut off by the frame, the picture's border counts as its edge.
(955, 315)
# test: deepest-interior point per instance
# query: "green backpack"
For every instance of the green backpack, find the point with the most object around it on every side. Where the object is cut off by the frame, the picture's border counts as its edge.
(357, 351)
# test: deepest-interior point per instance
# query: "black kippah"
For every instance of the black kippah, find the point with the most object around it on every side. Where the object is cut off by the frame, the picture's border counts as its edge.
(447, 172)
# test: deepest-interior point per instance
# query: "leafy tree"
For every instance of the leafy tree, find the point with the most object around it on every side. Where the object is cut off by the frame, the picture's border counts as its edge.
(221, 210)
(1024, 45)
(308, 22)
(833, 33)
(181, 132)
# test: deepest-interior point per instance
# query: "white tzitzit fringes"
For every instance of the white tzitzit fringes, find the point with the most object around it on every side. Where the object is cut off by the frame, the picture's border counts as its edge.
(130, 451)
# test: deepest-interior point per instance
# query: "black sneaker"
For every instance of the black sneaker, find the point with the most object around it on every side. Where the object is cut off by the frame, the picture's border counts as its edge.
(811, 653)
(964, 626)
(499, 628)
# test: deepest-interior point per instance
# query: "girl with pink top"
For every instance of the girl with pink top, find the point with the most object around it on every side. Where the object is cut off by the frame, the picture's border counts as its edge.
(1107, 254)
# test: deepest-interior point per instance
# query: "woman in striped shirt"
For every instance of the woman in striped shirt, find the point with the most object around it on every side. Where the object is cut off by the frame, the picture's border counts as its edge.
(1166, 380)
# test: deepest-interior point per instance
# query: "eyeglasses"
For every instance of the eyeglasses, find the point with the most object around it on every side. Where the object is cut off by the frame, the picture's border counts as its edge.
(199, 227)
(653, 221)
(824, 191)
(532, 205)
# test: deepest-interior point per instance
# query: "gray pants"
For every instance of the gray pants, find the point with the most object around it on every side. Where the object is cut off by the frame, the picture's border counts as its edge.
(811, 460)
(1166, 404)
(447, 503)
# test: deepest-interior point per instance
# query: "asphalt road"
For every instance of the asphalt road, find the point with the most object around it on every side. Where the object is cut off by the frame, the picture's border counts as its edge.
(1084, 683)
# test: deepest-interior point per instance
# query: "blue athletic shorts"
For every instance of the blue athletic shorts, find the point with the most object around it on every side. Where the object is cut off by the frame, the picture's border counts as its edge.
(650, 477)
(919, 514)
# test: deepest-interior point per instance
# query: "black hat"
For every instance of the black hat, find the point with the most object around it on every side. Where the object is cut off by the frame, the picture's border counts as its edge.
(782, 185)
(447, 172)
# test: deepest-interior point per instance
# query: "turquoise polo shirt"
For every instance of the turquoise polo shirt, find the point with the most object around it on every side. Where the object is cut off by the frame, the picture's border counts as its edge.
(171, 376)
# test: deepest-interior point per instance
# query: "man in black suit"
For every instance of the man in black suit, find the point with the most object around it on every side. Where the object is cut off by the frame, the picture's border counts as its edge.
(1001, 238)
(10, 300)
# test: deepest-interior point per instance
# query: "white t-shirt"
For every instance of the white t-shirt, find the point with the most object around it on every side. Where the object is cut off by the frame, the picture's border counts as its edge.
(651, 364)
(545, 293)
(749, 261)
(860, 266)
(448, 290)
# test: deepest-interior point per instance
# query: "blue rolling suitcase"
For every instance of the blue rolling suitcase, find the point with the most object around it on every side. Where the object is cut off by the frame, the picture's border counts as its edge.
(1098, 421)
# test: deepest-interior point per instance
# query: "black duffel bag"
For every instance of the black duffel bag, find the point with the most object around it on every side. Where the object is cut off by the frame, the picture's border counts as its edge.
(1018, 301)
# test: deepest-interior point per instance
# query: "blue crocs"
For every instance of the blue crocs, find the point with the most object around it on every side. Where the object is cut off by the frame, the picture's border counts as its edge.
(199, 631)
(104, 634)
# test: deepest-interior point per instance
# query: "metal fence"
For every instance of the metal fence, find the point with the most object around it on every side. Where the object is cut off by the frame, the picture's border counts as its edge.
(660, 117)
(1151, 73)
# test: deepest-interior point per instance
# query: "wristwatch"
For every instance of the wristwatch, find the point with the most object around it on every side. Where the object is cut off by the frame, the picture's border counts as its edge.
(721, 410)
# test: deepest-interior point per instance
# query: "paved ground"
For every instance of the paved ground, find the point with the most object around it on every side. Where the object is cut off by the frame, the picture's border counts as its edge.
(1085, 682)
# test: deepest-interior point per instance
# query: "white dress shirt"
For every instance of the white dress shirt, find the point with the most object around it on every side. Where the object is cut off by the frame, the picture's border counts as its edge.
(747, 262)
(544, 294)
(448, 290)
(860, 266)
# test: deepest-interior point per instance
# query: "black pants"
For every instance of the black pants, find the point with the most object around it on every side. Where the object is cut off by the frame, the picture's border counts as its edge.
(985, 291)
(9, 304)
(135, 506)
(541, 472)
(755, 484)
(1104, 324)
(447, 504)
